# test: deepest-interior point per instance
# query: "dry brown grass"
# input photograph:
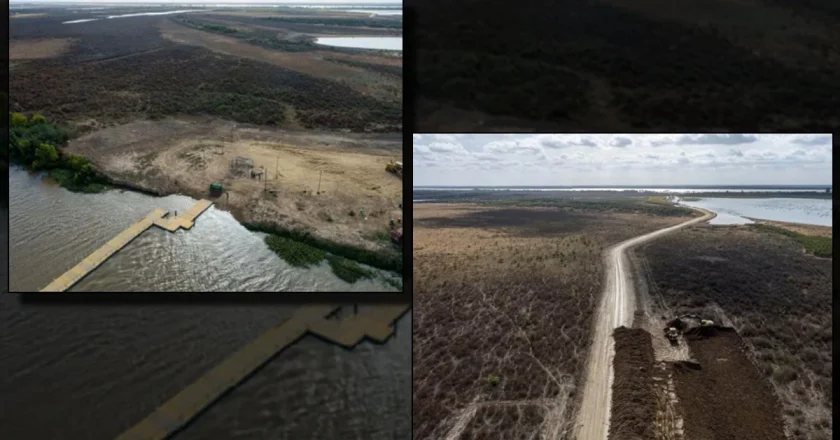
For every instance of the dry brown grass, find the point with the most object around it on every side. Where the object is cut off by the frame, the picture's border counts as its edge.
(504, 299)
(37, 49)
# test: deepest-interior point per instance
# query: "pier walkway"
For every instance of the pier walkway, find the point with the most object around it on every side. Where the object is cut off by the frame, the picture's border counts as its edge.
(94, 260)
(376, 323)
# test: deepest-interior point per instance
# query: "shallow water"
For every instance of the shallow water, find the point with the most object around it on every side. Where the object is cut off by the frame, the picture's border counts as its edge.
(733, 210)
(93, 372)
(375, 11)
(53, 229)
(384, 43)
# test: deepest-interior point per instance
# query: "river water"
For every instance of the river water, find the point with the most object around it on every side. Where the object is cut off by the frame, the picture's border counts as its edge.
(384, 43)
(93, 372)
(52, 230)
(735, 210)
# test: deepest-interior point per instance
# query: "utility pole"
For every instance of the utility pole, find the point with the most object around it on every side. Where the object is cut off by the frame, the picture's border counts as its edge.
(319, 182)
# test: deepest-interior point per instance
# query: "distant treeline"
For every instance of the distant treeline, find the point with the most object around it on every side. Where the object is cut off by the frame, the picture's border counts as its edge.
(357, 22)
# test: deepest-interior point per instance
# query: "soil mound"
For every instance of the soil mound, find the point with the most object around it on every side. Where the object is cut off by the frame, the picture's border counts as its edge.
(727, 398)
(634, 399)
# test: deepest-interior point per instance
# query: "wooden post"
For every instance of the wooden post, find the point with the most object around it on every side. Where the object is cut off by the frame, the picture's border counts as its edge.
(355, 309)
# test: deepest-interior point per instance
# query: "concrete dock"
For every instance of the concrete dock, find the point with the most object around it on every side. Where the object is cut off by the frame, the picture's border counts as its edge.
(94, 260)
(377, 323)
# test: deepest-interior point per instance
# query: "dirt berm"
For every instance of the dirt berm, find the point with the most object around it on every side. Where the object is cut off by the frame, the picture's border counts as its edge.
(634, 398)
(725, 399)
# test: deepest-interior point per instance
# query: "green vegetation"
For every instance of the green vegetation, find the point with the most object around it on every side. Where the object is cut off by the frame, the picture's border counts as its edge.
(819, 246)
(388, 70)
(659, 200)
(256, 37)
(615, 205)
(691, 199)
(347, 270)
(394, 282)
(493, 379)
(301, 254)
(35, 143)
(357, 22)
(389, 259)
(294, 252)
(208, 26)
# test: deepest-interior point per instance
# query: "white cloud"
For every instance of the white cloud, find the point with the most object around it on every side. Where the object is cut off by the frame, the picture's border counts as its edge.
(621, 159)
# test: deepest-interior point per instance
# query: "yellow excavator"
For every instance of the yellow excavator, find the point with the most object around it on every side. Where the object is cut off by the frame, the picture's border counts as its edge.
(395, 167)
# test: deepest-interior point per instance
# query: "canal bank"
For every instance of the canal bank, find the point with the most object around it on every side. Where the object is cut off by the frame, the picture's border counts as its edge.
(53, 229)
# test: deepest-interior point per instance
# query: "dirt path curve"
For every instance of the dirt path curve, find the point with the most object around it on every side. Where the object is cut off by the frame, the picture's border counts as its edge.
(617, 305)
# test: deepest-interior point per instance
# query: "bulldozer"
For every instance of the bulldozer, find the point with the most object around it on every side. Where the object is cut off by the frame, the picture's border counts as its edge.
(676, 327)
(395, 167)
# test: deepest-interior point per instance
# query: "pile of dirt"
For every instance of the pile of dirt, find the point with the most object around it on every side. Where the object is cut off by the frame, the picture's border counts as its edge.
(634, 398)
(704, 332)
(726, 399)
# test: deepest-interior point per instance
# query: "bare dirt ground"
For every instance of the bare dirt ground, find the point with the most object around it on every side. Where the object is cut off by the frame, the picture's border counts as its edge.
(726, 399)
(31, 49)
(505, 298)
(185, 155)
(779, 304)
(309, 63)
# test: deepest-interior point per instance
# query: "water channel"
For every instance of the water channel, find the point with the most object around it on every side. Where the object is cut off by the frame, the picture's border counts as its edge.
(382, 43)
(93, 372)
(52, 230)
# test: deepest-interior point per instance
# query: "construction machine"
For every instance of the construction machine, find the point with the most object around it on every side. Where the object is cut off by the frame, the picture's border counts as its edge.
(395, 167)
(676, 327)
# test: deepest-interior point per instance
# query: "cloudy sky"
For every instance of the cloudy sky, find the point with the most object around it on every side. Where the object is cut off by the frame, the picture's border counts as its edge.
(181, 2)
(621, 159)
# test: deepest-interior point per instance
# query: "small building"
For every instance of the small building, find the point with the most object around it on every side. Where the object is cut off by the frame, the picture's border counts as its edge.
(216, 189)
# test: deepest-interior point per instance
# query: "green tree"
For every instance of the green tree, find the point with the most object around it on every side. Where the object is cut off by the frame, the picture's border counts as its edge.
(46, 156)
(17, 119)
(38, 118)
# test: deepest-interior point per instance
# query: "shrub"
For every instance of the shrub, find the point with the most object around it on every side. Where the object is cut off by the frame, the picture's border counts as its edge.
(347, 270)
(17, 119)
(293, 252)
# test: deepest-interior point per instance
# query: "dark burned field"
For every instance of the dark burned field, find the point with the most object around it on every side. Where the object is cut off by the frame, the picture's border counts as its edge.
(651, 65)
(774, 294)
(504, 298)
(119, 70)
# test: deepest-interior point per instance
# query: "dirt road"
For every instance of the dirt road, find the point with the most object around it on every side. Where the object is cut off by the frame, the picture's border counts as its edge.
(617, 306)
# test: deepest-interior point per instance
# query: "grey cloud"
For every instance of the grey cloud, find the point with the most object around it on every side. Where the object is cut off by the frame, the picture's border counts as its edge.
(441, 147)
(620, 142)
(816, 140)
(736, 152)
(584, 143)
(511, 147)
(722, 139)
(486, 157)
(553, 143)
